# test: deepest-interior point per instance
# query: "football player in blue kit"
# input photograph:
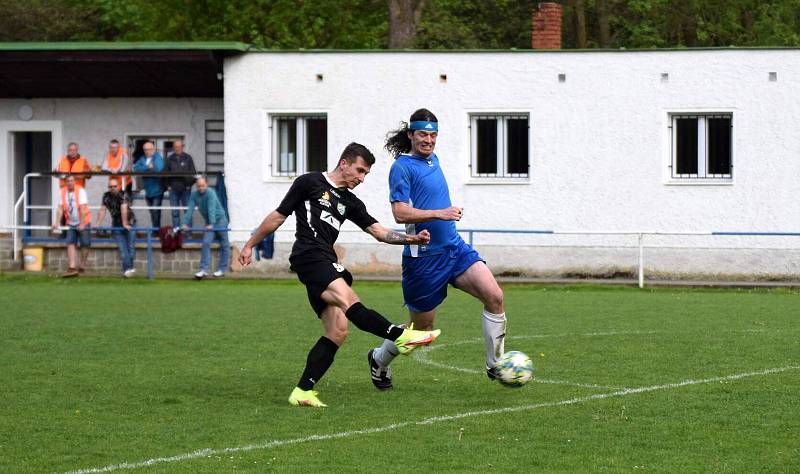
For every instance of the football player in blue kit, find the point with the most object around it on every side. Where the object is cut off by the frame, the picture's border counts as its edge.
(420, 199)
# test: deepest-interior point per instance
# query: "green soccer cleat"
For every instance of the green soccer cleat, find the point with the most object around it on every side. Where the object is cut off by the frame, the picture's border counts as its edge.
(411, 339)
(305, 398)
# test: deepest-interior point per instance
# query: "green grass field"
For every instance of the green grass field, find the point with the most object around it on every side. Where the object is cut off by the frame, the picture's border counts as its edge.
(143, 376)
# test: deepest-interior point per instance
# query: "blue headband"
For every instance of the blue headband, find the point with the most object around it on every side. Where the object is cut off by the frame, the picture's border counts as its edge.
(424, 126)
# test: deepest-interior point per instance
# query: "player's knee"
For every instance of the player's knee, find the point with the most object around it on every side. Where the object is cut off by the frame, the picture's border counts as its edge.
(493, 300)
(337, 335)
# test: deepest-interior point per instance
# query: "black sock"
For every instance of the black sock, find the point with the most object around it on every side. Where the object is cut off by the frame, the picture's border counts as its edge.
(320, 358)
(372, 322)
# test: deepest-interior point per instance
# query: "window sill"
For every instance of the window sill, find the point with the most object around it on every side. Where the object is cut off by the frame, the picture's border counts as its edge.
(279, 179)
(493, 181)
(698, 182)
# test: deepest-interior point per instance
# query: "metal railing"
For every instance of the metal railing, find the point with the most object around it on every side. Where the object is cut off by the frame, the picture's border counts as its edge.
(640, 237)
(148, 239)
(24, 198)
(470, 232)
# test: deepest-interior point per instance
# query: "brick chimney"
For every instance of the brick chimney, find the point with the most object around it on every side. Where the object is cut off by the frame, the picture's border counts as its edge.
(546, 31)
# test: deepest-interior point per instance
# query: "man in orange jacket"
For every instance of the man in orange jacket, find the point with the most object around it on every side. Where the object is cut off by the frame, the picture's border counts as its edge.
(117, 161)
(73, 162)
(75, 211)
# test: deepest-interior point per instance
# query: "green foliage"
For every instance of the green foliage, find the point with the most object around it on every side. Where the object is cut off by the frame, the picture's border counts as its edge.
(452, 24)
(263, 23)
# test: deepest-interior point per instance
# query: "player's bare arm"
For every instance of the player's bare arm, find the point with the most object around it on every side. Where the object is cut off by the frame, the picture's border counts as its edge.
(406, 214)
(382, 234)
(270, 224)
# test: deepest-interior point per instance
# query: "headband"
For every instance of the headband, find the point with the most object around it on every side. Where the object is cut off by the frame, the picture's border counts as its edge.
(424, 126)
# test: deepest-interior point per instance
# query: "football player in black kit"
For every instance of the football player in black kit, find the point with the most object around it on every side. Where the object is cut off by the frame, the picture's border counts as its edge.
(321, 202)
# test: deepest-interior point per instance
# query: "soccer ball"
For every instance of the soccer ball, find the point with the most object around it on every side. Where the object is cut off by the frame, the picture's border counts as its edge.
(514, 369)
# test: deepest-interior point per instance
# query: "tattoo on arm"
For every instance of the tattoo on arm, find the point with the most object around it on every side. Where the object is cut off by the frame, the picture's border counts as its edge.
(394, 237)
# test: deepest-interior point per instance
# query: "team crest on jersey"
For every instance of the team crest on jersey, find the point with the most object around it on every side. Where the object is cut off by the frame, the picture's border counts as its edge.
(340, 207)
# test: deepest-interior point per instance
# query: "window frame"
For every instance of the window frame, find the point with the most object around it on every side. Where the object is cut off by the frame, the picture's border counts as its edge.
(502, 159)
(702, 176)
(301, 159)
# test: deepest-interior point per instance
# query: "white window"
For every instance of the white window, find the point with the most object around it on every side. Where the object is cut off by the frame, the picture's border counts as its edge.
(702, 146)
(500, 145)
(299, 144)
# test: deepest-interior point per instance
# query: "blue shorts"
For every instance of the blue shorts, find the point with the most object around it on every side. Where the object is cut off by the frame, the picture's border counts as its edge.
(75, 236)
(425, 279)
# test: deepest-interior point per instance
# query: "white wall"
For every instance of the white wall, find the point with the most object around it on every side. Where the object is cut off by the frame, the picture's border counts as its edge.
(92, 122)
(599, 140)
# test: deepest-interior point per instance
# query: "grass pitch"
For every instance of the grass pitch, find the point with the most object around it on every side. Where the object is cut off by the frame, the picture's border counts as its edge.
(137, 376)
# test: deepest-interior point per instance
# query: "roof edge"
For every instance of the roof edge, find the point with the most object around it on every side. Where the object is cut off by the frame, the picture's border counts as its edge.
(233, 46)
(254, 49)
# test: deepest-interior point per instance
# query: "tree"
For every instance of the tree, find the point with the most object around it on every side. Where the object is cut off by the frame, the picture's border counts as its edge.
(46, 20)
(404, 17)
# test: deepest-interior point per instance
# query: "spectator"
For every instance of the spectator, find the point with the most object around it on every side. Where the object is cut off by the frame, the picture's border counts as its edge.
(151, 162)
(117, 161)
(180, 187)
(74, 210)
(73, 162)
(212, 211)
(117, 202)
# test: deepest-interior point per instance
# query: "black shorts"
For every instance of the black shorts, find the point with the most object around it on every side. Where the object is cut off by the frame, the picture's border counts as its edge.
(317, 276)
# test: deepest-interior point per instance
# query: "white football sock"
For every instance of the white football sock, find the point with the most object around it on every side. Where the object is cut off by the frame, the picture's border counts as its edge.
(494, 335)
(385, 354)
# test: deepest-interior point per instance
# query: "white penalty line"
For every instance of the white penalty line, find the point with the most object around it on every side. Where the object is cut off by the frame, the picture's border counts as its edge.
(427, 421)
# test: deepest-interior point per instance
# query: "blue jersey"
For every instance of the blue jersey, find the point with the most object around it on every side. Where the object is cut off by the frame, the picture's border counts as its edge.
(420, 183)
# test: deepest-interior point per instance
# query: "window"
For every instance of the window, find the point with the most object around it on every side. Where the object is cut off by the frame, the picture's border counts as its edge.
(300, 144)
(702, 146)
(500, 146)
(163, 144)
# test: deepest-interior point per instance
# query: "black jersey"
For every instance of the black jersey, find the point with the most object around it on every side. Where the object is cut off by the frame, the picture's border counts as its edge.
(320, 208)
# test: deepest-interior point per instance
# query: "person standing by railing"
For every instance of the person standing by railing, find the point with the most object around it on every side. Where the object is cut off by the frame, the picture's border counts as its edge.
(151, 162)
(74, 210)
(180, 187)
(118, 204)
(116, 161)
(73, 162)
(209, 206)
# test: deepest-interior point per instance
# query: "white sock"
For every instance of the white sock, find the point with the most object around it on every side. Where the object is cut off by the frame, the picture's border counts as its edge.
(385, 354)
(494, 335)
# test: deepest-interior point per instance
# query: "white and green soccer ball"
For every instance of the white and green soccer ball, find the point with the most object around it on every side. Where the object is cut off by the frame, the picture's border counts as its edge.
(514, 369)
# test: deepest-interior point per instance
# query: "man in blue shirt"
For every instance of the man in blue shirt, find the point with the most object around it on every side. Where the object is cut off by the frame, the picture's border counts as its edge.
(420, 199)
(151, 162)
(207, 203)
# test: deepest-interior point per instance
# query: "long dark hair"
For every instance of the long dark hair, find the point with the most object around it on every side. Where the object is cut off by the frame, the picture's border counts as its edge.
(397, 141)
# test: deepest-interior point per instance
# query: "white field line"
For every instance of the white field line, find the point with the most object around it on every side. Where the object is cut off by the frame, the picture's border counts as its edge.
(421, 355)
(427, 421)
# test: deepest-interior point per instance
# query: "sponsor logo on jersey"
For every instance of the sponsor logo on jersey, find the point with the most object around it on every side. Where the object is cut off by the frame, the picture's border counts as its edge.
(338, 267)
(340, 207)
(334, 193)
(430, 163)
(325, 200)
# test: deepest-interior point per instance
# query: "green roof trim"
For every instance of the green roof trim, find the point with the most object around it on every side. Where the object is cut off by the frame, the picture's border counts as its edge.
(233, 46)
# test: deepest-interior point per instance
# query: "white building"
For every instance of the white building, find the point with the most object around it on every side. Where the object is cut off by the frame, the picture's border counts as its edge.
(670, 141)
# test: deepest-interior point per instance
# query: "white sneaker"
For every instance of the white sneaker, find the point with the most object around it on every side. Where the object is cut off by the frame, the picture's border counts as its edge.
(219, 274)
(201, 274)
(129, 272)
